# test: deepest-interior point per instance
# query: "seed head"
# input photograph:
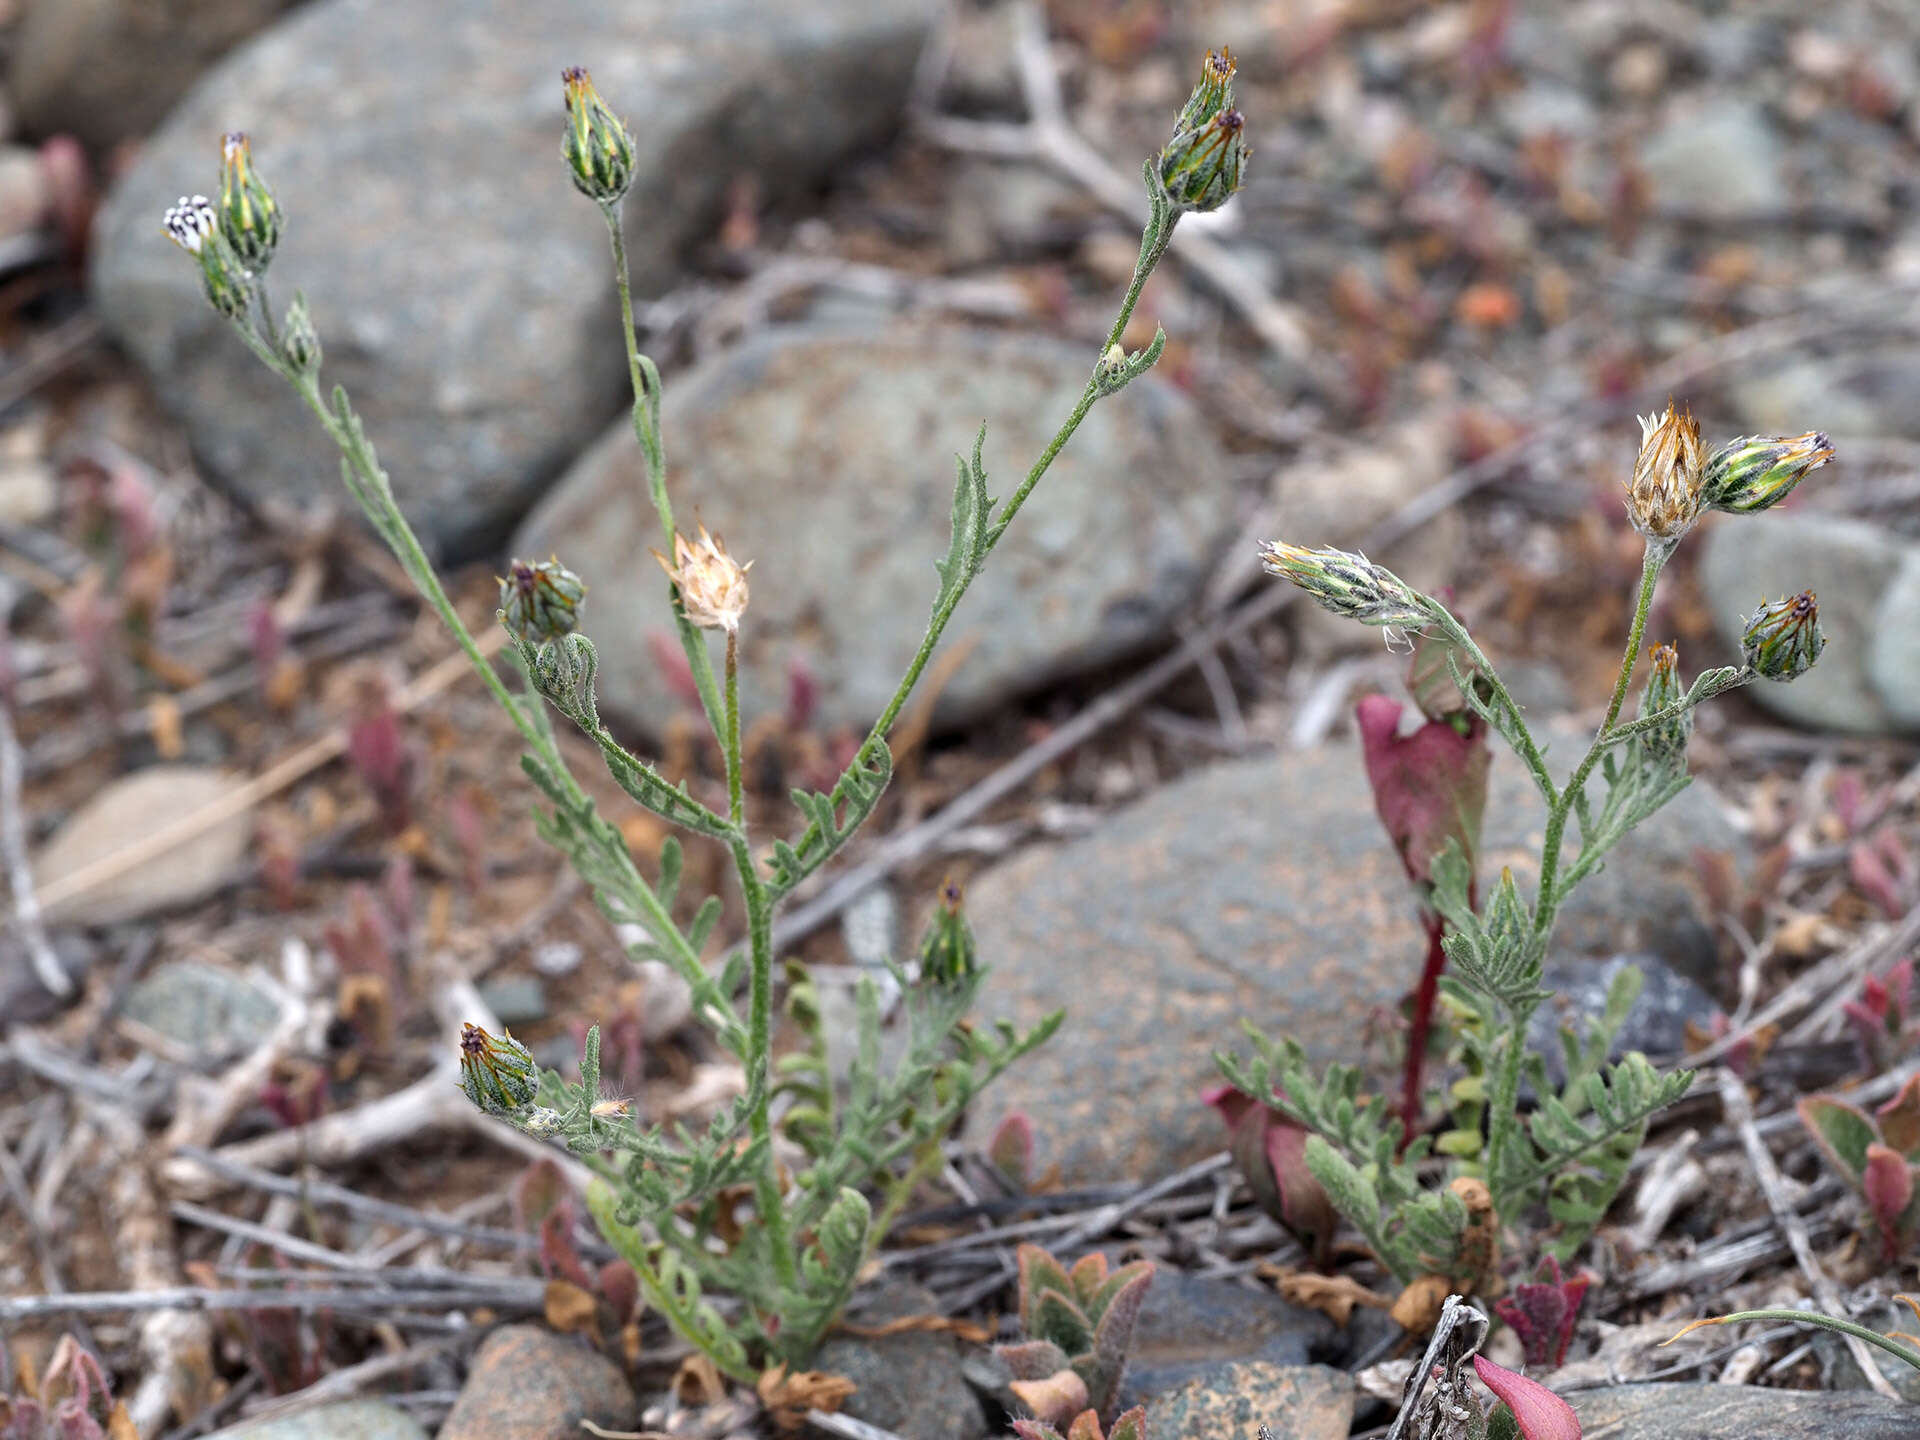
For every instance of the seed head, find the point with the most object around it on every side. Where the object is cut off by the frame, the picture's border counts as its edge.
(1756, 472)
(712, 584)
(249, 215)
(1666, 743)
(597, 147)
(1346, 583)
(1783, 638)
(541, 601)
(498, 1075)
(1663, 498)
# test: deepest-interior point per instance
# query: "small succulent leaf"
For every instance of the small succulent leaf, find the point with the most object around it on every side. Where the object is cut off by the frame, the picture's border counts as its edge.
(1114, 1336)
(1035, 1430)
(1039, 1273)
(1537, 1411)
(1032, 1359)
(1887, 1183)
(1842, 1132)
(1086, 1426)
(1899, 1119)
(1011, 1150)
(1054, 1399)
(1130, 1426)
(1088, 1274)
(1057, 1318)
(1112, 1287)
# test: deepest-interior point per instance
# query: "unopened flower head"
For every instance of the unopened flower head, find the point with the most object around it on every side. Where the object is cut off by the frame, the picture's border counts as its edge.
(1783, 638)
(1201, 168)
(299, 341)
(1212, 95)
(1346, 583)
(947, 953)
(540, 601)
(712, 584)
(249, 215)
(193, 225)
(498, 1075)
(1113, 364)
(1666, 742)
(1757, 472)
(597, 146)
(1663, 498)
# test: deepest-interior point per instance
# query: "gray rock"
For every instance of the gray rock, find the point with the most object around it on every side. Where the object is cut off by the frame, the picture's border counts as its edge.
(827, 460)
(1231, 1402)
(1656, 1025)
(459, 283)
(1838, 1367)
(530, 1384)
(1265, 889)
(1804, 394)
(1719, 161)
(205, 1009)
(23, 999)
(109, 70)
(350, 1420)
(1190, 1324)
(515, 999)
(1737, 1412)
(913, 1383)
(1849, 565)
(1893, 654)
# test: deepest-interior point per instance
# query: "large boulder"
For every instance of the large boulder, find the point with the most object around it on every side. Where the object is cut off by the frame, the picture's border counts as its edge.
(461, 286)
(827, 459)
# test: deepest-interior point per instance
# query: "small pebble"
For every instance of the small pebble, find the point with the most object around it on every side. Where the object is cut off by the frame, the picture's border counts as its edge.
(557, 958)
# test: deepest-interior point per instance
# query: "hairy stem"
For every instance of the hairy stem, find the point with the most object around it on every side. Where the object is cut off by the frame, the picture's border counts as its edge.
(736, 800)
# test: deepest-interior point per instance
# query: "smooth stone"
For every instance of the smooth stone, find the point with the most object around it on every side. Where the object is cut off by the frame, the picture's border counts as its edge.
(105, 71)
(1191, 1324)
(515, 999)
(914, 1383)
(828, 461)
(23, 999)
(1740, 1412)
(1656, 1026)
(460, 285)
(1263, 889)
(1301, 1402)
(123, 814)
(1893, 656)
(203, 1008)
(530, 1384)
(349, 1420)
(1719, 161)
(1850, 566)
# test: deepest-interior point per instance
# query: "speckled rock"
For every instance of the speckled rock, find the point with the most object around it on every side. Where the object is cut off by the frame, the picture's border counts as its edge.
(351, 1420)
(1191, 1324)
(1231, 1402)
(1851, 566)
(1719, 159)
(209, 1010)
(460, 285)
(531, 1384)
(827, 460)
(1262, 888)
(911, 1383)
(1737, 1412)
(1893, 653)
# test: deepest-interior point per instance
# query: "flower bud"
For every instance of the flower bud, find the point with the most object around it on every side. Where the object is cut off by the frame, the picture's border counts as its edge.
(564, 669)
(947, 952)
(597, 147)
(1756, 472)
(540, 602)
(299, 341)
(712, 584)
(1346, 584)
(1783, 638)
(499, 1075)
(191, 223)
(1665, 743)
(1201, 168)
(1663, 498)
(1112, 365)
(1214, 93)
(249, 215)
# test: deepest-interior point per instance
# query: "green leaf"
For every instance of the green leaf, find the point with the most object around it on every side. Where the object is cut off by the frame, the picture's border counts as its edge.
(1842, 1133)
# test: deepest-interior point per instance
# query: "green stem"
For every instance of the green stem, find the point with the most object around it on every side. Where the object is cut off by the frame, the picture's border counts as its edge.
(1483, 667)
(736, 803)
(1547, 903)
(767, 1198)
(1812, 1317)
(644, 381)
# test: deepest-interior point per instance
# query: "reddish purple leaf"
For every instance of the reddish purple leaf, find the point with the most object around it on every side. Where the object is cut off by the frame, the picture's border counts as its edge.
(1543, 1312)
(1270, 1151)
(1887, 1182)
(1429, 787)
(1541, 1414)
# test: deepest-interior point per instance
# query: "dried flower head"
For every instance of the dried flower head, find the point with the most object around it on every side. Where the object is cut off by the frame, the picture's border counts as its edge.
(1346, 583)
(597, 147)
(498, 1075)
(1663, 498)
(1783, 638)
(712, 584)
(540, 601)
(1756, 472)
(249, 215)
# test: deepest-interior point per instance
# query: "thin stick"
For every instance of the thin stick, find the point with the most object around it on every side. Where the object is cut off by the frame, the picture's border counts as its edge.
(297, 766)
(47, 968)
(494, 1292)
(1733, 1095)
(350, 1381)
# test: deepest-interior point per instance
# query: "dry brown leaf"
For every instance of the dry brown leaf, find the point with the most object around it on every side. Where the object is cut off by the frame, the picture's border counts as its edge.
(571, 1310)
(1332, 1295)
(120, 1424)
(966, 1330)
(1417, 1310)
(163, 720)
(698, 1383)
(788, 1397)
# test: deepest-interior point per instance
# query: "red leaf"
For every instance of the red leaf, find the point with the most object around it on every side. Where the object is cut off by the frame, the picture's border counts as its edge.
(1541, 1414)
(1429, 787)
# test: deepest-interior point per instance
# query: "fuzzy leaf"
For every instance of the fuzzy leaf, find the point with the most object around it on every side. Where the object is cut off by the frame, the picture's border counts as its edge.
(1842, 1132)
(1088, 1274)
(1900, 1119)
(1039, 1273)
(1130, 1426)
(1057, 1318)
(1114, 1334)
(1033, 1359)
(1056, 1399)
(1011, 1150)
(1540, 1414)
(1887, 1183)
